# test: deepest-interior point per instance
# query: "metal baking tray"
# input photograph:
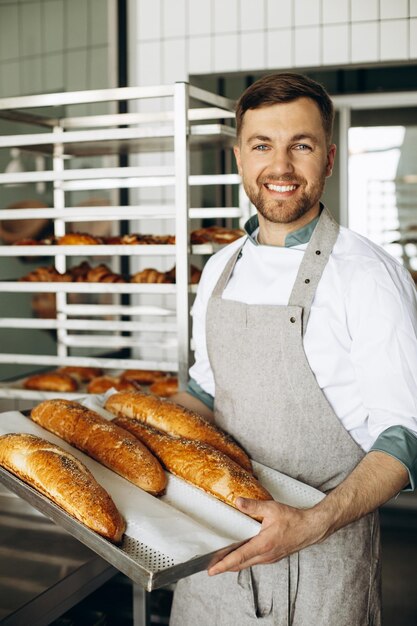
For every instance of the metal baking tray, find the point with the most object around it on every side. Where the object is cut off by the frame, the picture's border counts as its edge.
(207, 528)
(141, 563)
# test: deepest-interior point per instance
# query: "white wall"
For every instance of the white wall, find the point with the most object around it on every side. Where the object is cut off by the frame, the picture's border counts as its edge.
(55, 45)
(173, 39)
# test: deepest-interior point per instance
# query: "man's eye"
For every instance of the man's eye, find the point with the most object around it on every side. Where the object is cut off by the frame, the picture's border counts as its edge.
(302, 147)
(261, 148)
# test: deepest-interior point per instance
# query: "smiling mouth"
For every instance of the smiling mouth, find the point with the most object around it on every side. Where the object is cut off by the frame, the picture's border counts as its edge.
(280, 188)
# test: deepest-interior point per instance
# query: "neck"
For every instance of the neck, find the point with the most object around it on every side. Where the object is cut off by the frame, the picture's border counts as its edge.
(274, 233)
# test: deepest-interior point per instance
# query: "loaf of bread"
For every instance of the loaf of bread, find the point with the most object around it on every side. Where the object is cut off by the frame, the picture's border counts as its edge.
(51, 381)
(63, 479)
(107, 443)
(198, 463)
(175, 420)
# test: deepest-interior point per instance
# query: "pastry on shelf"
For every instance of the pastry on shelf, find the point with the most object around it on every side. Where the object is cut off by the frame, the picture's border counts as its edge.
(81, 374)
(103, 274)
(140, 239)
(46, 275)
(51, 381)
(149, 275)
(195, 275)
(78, 239)
(143, 377)
(215, 234)
(79, 272)
(165, 387)
(102, 383)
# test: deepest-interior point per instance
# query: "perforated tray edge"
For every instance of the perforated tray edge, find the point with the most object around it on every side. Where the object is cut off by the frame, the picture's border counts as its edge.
(142, 564)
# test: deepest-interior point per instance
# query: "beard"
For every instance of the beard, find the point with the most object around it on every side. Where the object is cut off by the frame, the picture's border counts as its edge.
(287, 210)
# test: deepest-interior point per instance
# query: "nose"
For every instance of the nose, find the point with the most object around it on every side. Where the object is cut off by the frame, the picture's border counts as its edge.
(280, 162)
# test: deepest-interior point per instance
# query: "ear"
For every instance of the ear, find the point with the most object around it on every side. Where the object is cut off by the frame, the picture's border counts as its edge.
(236, 150)
(331, 154)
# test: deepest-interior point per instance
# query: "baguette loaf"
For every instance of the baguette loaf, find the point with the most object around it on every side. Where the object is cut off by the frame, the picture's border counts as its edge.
(198, 463)
(64, 480)
(175, 420)
(107, 443)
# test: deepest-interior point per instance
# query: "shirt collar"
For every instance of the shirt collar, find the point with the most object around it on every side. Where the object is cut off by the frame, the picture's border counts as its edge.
(295, 238)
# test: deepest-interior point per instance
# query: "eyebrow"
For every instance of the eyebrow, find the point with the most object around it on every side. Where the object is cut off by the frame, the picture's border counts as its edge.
(297, 137)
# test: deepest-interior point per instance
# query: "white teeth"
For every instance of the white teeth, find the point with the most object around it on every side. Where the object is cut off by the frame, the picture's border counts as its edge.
(281, 188)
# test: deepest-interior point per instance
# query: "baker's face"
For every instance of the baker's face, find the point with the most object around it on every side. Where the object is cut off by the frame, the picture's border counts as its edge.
(283, 159)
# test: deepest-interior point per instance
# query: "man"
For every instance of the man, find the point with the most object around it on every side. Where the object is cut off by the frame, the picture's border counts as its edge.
(306, 352)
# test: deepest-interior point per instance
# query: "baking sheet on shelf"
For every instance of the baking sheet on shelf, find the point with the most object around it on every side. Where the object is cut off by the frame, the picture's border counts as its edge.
(166, 538)
(15, 389)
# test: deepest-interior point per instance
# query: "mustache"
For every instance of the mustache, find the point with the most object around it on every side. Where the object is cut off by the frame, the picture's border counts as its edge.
(285, 178)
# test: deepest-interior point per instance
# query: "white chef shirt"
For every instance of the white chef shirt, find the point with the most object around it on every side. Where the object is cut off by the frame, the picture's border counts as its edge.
(361, 337)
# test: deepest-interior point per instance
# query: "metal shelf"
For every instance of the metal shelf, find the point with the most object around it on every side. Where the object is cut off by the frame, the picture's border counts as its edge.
(185, 119)
(139, 288)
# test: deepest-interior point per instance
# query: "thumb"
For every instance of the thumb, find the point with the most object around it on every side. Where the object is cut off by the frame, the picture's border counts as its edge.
(254, 508)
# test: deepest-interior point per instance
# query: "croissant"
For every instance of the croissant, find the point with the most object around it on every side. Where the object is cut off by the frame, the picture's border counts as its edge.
(148, 275)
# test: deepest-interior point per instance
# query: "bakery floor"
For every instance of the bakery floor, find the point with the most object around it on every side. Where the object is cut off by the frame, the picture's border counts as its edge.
(111, 605)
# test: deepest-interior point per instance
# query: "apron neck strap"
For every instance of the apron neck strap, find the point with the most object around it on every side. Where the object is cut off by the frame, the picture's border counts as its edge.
(314, 261)
(227, 272)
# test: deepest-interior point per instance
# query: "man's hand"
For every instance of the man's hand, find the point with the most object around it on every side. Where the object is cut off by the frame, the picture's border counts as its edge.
(376, 479)
(284, 530)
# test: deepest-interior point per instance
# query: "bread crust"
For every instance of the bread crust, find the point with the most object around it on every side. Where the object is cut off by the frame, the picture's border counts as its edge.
(51, 381)
(175, 420)
(103, 441)
(66, 481)
(198, 463)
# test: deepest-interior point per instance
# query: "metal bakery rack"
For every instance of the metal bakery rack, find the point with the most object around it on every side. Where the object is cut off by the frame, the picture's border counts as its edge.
(142, 325)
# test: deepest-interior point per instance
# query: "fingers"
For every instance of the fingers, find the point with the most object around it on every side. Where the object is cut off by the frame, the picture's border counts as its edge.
(246, 555)
(284, 530)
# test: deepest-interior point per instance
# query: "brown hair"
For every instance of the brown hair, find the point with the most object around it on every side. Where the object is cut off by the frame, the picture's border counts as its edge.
(285, 87)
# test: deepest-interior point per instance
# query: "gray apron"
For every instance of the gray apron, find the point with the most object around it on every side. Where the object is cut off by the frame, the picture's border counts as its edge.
(267, 397)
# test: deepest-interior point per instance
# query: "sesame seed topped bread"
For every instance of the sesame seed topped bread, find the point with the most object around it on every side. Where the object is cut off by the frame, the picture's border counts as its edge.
(63, 479)
(103, 441)
(175, 420)
(198, 463)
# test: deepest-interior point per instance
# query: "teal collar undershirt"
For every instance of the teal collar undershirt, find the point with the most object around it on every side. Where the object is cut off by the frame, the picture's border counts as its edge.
(297, 237)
